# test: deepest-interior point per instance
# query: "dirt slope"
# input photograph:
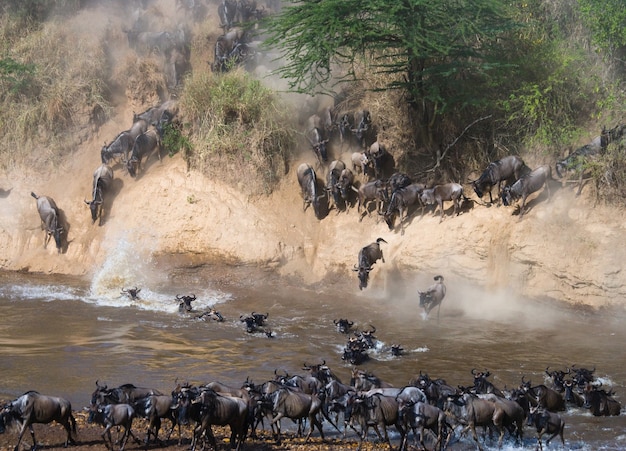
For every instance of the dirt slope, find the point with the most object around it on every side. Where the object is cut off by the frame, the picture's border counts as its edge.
(563, 248)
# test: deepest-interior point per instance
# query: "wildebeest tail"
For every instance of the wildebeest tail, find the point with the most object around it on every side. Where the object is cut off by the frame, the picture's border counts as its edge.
(34, 195)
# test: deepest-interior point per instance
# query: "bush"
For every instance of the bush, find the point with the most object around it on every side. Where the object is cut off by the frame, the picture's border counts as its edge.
(238, 130)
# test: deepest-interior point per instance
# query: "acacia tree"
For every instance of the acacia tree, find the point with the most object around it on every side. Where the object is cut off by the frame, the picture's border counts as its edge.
(439, 52)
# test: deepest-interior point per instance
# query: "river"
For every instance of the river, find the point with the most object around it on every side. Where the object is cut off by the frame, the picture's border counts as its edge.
(59, 335)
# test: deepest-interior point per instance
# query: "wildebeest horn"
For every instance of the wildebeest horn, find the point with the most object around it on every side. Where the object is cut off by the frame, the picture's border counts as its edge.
(335, 322)
(179, 297)
(373, 329)
(355, 268)
(87, 202)
(523, 381)
(473, 371)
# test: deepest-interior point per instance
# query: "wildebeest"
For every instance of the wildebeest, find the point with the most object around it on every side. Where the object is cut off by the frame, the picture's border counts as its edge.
(346, 179)
(316, 137)
(49, 214)
(211, 408)
(335, 169)
(433, 296)
(132, 293)
(421, 416)
(154, 408)
(507, 169)
(368, 255)
(226, 52)
(546, 422)
(362, 127)
(211, 314)
(600, 402)
(364, 381)
(440, 193)
(401, 200)
(375, 190)
(226, 12)
(378, 411)
(114, 415)
(184, 302)
(575, 161)
(165, 112)
(482, 385)
(102, 181)
(308, 184)
(290, 404)
(571, 396)
(436, 390)
(343, 325)
(125, 393)
(471, 411)
(123, 142)
(33, 407)
(543, 396)
(381, 160)
(360, 162)
(527, 185)
(144, 145)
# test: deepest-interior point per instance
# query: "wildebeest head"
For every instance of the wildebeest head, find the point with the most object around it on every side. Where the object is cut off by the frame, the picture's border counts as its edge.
(364, 274)
(507, 197)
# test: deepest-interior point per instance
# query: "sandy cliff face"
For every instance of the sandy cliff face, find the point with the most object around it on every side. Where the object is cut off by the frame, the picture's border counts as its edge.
(563, 248)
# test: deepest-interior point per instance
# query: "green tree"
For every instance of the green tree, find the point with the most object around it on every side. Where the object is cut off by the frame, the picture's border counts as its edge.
(437, 51)
(607, 21)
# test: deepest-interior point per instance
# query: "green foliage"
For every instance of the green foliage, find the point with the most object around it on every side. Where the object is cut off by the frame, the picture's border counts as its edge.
(607, 21)
(434, 50)
(14, 76)
(238, 130)
(174, 140)
(39, 9)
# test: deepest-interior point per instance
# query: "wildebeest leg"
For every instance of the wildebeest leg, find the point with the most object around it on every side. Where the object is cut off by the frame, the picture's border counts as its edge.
(580, 183)
(32, 433)
(441, 208)
(522, 208)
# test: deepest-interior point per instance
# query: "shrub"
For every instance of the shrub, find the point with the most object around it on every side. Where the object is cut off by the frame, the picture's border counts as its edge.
(238, 130)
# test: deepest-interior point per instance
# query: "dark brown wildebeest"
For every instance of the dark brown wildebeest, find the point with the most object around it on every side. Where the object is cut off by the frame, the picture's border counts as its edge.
(546, 422)
(368, 255)
(507, 169)
(114, 415)
(308, 184)
(49, 214)
(145, 144)
(123, 142)
(33, 407)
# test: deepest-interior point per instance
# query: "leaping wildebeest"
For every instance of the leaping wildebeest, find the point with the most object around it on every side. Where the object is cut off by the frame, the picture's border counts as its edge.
(433, 296)
(507, 169)
(49, 214)
(308, 184)
(527, 185)
(368, 255)
(33, 407)
(102, 181)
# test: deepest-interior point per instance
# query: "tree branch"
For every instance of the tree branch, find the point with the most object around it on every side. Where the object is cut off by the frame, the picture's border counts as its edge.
(442, 155)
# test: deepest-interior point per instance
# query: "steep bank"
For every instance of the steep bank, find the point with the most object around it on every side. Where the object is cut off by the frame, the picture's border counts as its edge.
(564, 248)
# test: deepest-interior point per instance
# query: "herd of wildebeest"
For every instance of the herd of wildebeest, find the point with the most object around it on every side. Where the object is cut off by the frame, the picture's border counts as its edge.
(435, 412)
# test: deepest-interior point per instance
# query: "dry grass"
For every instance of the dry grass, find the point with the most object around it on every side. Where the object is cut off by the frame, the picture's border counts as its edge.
(56, 100)
(238, 130)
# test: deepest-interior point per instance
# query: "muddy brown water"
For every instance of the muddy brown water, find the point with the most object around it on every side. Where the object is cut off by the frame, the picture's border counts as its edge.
(59, 335)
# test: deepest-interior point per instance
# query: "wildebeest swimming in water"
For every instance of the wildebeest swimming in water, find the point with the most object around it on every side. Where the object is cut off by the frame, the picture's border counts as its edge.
(33, 407)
